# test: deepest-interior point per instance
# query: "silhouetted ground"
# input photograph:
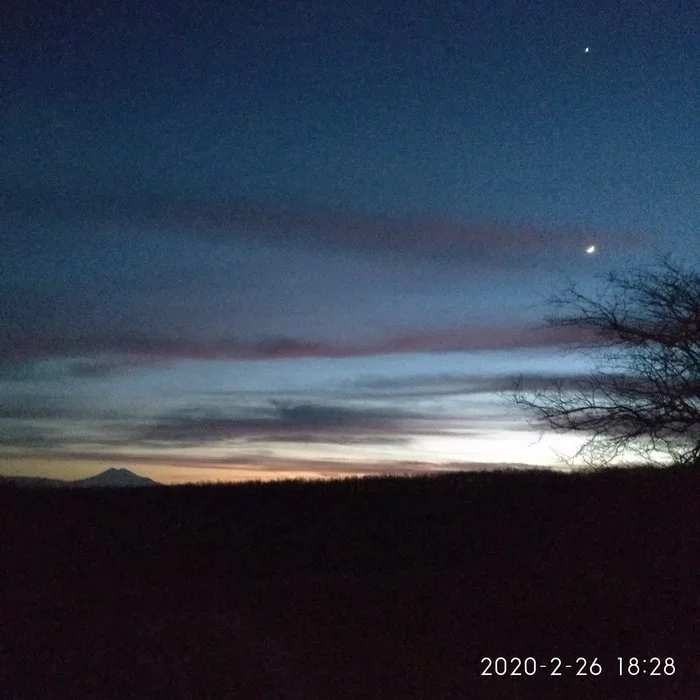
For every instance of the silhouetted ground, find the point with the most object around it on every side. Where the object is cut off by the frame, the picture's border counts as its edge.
(380, 588)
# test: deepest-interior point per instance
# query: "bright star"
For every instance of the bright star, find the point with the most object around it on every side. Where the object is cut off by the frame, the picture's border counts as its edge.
(586, 50)
(591, 249)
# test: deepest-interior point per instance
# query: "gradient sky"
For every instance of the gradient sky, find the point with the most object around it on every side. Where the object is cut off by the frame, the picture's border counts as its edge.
(269, 239)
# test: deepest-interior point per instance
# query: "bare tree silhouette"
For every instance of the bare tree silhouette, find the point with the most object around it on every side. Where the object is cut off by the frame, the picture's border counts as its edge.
(644, 397)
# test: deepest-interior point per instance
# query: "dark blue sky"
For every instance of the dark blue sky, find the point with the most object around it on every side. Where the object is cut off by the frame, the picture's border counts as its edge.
(225, 224)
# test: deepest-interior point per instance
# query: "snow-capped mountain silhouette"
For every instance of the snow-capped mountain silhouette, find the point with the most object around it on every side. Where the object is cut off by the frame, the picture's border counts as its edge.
(113, 477)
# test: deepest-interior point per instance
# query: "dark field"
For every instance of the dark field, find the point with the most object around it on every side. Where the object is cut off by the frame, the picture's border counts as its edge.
(381, 588)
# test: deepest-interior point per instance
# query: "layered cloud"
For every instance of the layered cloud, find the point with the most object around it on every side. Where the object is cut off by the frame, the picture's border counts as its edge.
(443, 385)
(278, 422)
(366, 412)
(127, 278)
(244, 219)
(138, 350)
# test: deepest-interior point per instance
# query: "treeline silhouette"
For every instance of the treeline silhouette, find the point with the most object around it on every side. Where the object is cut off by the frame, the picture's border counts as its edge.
(374, 587)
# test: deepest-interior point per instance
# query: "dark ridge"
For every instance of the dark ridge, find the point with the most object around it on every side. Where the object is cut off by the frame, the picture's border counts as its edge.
(373, 588)
(113, 477)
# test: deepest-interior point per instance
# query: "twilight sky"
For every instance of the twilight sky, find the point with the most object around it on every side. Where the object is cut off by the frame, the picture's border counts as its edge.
(268, 239)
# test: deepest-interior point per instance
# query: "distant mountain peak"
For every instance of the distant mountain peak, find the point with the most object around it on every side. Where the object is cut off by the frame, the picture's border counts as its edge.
(117, 470)
(114, 477)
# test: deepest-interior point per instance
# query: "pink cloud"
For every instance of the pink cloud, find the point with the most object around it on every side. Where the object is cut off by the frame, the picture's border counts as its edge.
(414, 235)
(240, 217)
(461, 339)
(483, 338)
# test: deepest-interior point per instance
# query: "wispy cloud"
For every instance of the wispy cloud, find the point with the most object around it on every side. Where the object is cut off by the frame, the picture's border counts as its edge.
(155, 348)
(441, 385)
(242, 218)
(281, 422)
(330, 439)
(21, 435)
